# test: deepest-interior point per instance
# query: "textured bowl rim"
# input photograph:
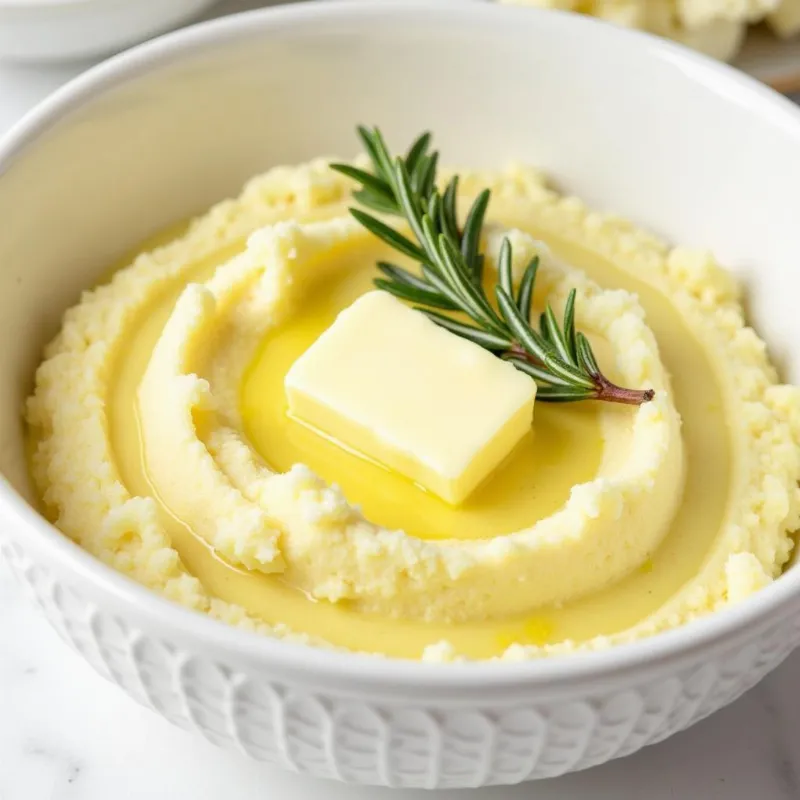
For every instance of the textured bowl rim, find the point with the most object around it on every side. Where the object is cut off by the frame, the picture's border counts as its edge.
(558, 671)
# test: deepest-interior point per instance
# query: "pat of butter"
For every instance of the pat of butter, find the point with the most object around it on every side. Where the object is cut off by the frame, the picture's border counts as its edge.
(387, 382)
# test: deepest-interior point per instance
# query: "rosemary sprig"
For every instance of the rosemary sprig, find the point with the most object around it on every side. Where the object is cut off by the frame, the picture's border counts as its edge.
(556, 356)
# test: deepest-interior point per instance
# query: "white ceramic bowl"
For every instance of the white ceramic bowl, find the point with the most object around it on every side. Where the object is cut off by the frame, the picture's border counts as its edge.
(61, 30)
(686, 146)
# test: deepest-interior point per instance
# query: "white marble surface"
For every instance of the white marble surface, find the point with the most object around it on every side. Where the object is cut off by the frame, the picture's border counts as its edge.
(67, 735)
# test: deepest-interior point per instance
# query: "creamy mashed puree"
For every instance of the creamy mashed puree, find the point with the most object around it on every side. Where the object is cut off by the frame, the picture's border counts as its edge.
(161, 442)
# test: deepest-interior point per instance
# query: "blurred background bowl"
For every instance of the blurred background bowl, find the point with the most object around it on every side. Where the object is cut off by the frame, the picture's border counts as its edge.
(63, 30)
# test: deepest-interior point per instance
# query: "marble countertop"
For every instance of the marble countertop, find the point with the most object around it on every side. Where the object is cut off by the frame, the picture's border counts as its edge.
(67, 735)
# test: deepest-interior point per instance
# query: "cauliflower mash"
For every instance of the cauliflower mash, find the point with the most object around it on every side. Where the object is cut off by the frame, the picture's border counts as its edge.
(715, 27)
(162, 445)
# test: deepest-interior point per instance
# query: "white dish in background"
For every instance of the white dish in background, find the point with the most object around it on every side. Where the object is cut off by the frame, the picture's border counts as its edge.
(163, 131)
(62, 30)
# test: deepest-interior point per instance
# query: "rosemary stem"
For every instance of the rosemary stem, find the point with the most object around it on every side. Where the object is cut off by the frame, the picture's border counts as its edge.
(604, 389)
(612, 393)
